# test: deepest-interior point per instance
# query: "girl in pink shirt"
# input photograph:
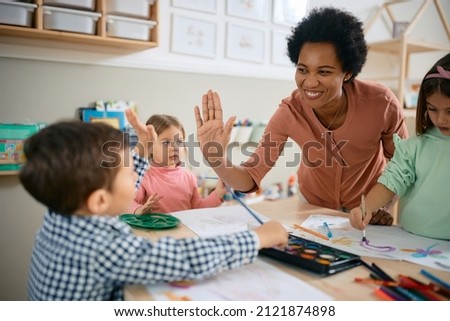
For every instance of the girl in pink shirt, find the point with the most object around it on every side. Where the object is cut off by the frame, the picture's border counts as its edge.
(166, 186)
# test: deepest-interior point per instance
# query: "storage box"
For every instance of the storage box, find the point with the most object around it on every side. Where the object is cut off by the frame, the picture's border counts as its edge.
(123, 27)
(76, 4)
(132, 8)
(70, 20)
(12, 138)
(16, 13)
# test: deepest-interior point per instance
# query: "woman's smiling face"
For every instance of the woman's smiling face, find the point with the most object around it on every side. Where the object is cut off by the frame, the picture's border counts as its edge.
(319, 74)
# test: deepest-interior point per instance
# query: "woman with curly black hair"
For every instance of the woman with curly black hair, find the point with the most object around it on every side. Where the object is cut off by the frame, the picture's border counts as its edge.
(343, 125)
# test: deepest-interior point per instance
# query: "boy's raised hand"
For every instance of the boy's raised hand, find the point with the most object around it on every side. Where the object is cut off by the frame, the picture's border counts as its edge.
(146, 133)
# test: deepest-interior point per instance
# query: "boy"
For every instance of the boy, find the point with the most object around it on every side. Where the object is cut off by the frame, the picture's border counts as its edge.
(84, 174)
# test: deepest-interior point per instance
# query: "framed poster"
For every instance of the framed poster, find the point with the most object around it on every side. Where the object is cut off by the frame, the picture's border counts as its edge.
(244, 43)
(193, 36)
(199, 5)
(248, 9)
(288, 12)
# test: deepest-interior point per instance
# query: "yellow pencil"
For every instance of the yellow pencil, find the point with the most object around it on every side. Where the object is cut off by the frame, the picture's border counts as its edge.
(299, 227)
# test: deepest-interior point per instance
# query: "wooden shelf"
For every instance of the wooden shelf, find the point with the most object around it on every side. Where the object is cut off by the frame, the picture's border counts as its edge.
(9, 173)
(37, 31)
(394, 46)
(403, 46)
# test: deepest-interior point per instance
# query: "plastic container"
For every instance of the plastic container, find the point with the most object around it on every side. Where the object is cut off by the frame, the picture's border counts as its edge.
(132, 8)
(130, 28)
(75, 4)
(70, 20)
(16, 13)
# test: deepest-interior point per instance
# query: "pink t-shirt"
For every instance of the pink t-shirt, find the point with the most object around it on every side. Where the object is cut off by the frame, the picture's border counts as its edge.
(335, 169)
(178, 188)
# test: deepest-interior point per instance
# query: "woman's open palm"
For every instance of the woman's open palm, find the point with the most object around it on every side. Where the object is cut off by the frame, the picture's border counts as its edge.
(212, 134)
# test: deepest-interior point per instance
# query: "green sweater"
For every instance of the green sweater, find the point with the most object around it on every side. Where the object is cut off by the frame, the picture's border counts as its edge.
(419, 173)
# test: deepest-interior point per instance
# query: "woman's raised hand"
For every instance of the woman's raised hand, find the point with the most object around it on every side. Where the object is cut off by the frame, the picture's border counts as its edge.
(212, 134)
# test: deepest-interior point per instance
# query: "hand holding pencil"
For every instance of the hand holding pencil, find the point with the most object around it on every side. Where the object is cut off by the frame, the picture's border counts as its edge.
(360, 216)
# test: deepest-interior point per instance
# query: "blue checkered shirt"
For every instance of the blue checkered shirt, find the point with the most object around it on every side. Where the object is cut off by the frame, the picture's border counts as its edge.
(94, 257)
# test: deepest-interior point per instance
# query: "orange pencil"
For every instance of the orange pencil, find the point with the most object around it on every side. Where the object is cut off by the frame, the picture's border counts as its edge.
(383, 295)
(377, 282)
(307, 230)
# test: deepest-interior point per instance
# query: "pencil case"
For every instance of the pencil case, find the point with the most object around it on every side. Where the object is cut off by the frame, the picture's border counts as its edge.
(312, 256)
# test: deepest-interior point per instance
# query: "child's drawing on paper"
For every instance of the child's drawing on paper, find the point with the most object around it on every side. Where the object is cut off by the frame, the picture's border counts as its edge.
(419, 253)
(384, 242)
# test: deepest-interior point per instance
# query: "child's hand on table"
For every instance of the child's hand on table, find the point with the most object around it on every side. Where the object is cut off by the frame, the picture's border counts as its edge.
(272, 234)
(382, 217)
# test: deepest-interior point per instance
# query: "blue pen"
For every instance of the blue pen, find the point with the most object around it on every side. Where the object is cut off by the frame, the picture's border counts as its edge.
(435, 279)
(327, 228)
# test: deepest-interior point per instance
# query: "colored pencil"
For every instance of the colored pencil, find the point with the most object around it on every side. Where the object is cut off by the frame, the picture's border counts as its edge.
(377, 282)
(245, 205)
(383, 295)
(307, 230)
(422, 291)
(375, 273)
(394, 294)
(380, 272)
(435, 279)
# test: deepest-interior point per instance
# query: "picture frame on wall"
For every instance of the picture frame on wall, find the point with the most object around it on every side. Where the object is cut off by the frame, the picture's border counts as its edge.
(288, 12)
(209, 6)
(193, 36)
(248, 9)
(279, 48)
(245, 43)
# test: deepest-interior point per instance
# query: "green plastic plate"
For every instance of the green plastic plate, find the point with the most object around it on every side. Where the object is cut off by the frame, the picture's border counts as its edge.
(155, 221)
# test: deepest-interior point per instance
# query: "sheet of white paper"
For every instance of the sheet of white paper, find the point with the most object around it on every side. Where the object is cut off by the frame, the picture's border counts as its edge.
(259, 281)
(207, 222)
(384, 241)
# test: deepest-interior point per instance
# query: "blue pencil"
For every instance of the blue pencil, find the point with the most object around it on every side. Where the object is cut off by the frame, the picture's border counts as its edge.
(435, 279)
(244, 205)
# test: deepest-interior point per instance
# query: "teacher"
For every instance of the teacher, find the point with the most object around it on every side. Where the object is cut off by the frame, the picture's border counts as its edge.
(344, 126)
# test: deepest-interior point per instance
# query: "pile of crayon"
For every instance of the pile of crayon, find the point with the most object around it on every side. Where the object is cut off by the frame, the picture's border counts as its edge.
(406, 288)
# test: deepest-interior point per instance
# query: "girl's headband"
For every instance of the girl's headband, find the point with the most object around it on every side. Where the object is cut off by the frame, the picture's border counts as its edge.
(441, 73)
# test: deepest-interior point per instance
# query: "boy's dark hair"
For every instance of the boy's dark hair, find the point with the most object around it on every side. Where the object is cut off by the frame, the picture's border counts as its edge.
(330, 25)
(428, 87)
(67, 161)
